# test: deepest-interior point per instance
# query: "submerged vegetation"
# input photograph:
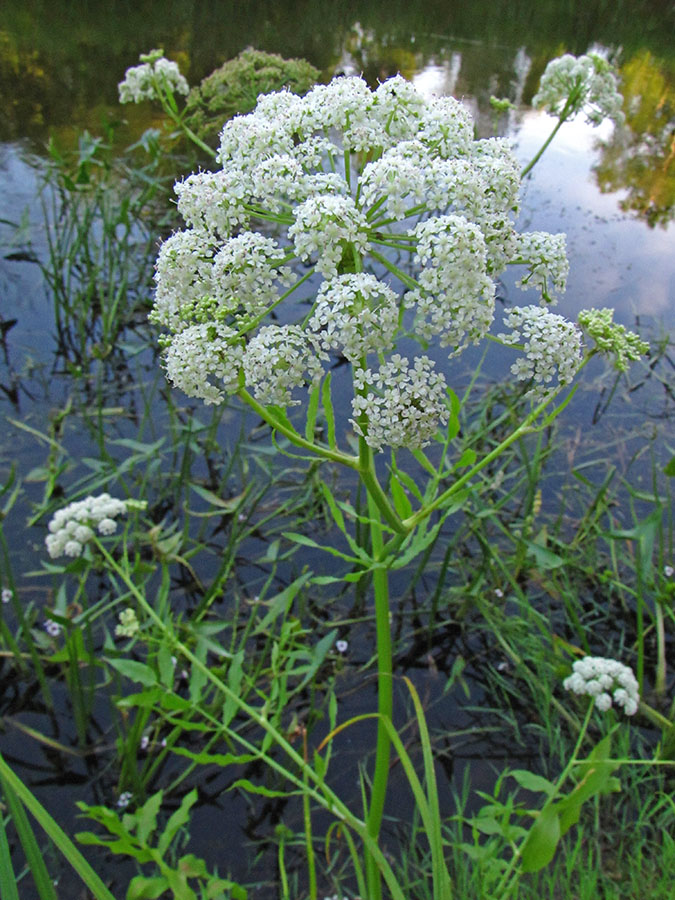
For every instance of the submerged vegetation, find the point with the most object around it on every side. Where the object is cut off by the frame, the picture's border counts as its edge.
(385, 633)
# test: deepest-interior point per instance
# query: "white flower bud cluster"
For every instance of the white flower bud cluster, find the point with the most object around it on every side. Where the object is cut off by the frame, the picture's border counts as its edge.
(142, 82)
(403, 406)
(552, 347)
(335, 183)
(73, 526)
(573, 84)
(128, 623)
(605, 680)
(611, 338)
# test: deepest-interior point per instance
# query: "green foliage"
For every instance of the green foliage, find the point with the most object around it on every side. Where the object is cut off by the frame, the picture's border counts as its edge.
(234, 87)
(137, 835)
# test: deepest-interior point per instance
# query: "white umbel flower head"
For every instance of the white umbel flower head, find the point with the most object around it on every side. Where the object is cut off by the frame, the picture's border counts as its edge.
(456, 300)
(156, 74)
(73, 526)
(580, 84)
(408, 219)
(545, 255)
(324, 225)
(606, 681)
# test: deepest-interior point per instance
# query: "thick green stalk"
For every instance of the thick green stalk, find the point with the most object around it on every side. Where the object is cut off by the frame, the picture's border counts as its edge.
(385, 695)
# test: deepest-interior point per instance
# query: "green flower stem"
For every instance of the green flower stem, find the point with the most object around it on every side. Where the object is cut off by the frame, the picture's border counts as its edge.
(168, 102)
(352, 462)
(318, 790)
(399, 273)
(385, 694)
(571, 106)
(442, 500)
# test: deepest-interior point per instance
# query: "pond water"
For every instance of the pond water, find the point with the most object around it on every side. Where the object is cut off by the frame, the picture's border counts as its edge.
(614, 196)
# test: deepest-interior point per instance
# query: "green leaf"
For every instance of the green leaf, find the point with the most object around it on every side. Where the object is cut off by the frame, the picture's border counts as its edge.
(401, 503)
(142, 888)
(216, 759)
(133, 670)
(176, 821)
(8, 881)
(247, 785)
(312, 410)
(669, 468)
(544, 559)
(542, 840)
(532, 782)
(146, 817)
(34, 858)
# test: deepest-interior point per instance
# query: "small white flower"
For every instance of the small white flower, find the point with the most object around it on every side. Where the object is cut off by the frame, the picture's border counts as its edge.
(668, 571)
(499, 593)
(124, 800)
(6, 595)
(341, 646)
(145, 742)
(52, 628)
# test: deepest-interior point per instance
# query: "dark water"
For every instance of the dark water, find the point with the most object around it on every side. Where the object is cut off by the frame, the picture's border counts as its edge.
(59, 67)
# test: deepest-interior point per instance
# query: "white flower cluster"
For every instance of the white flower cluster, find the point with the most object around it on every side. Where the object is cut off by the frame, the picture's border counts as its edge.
(399, 406)
(456, 295)
(573, 84)
(355, 314)
(546, 257)
(605, 680)
(552, 347)
(154, 74)
(73, 526)
(334, 183)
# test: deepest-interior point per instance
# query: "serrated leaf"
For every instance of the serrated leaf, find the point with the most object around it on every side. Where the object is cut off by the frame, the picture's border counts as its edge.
(146, 817)
(544, 559)
(176, 821)
(312, 410)
(327, 404)
(247, 785)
